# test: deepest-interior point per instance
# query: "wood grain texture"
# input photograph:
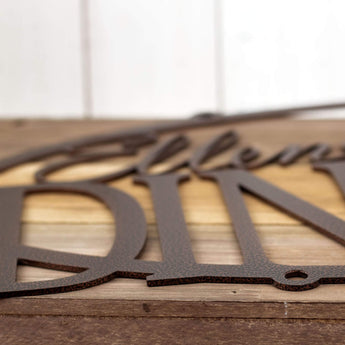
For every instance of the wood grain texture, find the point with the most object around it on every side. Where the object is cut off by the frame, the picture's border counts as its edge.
(81, 225)
(86, 330)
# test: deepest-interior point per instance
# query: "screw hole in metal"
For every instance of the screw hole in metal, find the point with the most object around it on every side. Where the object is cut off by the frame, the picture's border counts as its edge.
(296, 275)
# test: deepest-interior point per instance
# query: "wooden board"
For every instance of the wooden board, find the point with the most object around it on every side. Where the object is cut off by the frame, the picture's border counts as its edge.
(81, 225)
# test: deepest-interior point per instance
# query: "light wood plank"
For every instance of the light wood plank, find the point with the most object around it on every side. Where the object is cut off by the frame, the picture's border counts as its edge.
(211, 244)
(202, 200)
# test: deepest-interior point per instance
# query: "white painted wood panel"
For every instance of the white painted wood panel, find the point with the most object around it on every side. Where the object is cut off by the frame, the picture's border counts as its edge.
(40, 73)
(281, 53)
(152, 58)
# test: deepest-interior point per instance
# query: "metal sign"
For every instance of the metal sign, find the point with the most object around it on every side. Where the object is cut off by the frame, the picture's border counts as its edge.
(178, 265)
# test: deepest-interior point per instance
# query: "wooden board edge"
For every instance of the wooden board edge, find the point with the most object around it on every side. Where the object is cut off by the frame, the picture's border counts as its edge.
(148, 331)
(171, 309)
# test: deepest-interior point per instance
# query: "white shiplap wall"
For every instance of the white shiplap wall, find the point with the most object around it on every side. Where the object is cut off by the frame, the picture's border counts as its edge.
(152, 57)
(156, 58)
(283, 53)
(40, 60)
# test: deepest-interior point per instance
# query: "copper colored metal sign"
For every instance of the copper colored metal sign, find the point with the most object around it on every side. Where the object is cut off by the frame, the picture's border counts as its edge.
(178, 265)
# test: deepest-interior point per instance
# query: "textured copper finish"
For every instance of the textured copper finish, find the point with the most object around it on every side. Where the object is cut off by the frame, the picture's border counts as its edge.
(178, 265)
